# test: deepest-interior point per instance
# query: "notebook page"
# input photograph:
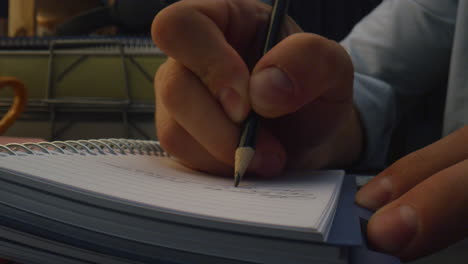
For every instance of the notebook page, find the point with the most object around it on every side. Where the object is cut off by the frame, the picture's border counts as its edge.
(299, 200)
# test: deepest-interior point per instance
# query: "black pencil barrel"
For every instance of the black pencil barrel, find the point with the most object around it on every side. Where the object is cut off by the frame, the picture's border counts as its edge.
(249, 132)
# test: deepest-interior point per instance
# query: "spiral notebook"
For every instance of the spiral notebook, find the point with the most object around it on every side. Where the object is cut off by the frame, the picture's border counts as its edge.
(89, 45)
(128, 199)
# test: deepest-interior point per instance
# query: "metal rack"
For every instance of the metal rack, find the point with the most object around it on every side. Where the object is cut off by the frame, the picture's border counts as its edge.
(80, 108)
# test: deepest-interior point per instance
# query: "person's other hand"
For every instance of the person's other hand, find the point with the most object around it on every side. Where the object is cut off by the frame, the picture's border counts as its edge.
(215, 75)
(422, 199)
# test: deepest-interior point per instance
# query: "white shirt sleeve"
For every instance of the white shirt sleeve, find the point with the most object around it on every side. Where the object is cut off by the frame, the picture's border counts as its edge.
(400, 51)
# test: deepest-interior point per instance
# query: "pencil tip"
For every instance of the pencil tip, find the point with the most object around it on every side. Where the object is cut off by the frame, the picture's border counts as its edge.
(243, 157)
(237, 178)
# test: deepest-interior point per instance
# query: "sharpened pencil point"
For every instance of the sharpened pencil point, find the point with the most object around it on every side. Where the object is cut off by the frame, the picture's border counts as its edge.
(237, 178)
(243, 157)
(246, 148)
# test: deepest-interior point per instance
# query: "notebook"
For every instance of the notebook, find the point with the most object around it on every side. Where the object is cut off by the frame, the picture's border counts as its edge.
(129, 200)
(87, 45)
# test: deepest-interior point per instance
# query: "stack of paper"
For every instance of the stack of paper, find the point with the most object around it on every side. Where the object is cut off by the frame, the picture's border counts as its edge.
(140, 208)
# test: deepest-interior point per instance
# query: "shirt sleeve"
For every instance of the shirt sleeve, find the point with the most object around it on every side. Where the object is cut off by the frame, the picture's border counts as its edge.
(400, 51)
(375, 103)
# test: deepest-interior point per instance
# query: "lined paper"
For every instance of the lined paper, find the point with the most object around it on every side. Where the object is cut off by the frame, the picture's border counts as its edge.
(298, 200)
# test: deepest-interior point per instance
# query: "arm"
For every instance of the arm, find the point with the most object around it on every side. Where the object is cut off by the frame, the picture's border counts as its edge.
(420, 201)
(400, 51)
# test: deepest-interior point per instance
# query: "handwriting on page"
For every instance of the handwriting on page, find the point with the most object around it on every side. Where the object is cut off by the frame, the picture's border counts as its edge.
(254, 188)
(270, 193)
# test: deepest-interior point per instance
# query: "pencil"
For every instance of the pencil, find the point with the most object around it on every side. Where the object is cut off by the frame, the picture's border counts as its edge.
(246, 149)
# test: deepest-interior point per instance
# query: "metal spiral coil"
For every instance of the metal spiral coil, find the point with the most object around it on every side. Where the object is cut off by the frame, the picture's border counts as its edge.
(111, 146)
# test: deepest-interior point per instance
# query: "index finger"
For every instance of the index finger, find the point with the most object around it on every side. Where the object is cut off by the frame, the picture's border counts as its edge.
(207, 37)
(427, 218)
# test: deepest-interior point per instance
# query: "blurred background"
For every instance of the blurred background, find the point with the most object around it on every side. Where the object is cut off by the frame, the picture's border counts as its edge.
(88, 66)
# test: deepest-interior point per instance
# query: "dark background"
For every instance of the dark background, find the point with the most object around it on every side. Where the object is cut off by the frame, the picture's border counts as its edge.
(330, 18)
(3, 8)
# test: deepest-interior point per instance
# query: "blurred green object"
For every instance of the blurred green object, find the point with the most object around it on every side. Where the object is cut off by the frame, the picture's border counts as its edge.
(85, 90)
(96, 77)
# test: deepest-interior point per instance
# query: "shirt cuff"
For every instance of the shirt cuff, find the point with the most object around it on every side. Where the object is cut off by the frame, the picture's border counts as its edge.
(375, 102)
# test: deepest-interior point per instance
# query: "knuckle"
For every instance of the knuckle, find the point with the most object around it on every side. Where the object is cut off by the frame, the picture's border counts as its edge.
(165, 24)
(220, 71)
(207, 75)
(170, 92)
(395, 169)
(463, 132)
(328, 51)
(318, 45)
(338, 61)
(412, 160)
(417, 157)
(335, 68)
(309, 40)
(158, 26)
(159, 76)
(168, 136)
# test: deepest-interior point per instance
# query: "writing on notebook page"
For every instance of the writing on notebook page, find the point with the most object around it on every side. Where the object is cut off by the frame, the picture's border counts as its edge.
(300, 200)
(250, 187)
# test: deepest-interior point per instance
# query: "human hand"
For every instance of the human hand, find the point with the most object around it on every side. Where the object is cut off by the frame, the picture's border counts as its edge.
(422, 199)
(215, 75)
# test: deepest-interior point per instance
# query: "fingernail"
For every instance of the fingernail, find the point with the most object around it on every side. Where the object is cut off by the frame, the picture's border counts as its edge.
(375, 195)
(393, 230)
(271, 85)
(232, 104)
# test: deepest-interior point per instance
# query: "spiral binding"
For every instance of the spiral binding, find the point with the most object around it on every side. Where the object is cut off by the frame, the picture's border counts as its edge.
(112, 146)
(142, 42)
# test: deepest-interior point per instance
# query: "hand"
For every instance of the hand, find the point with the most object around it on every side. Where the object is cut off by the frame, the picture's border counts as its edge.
(215, 75)
(424, 197)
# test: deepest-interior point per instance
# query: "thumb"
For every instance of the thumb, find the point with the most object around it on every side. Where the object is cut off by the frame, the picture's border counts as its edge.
(300, 69)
